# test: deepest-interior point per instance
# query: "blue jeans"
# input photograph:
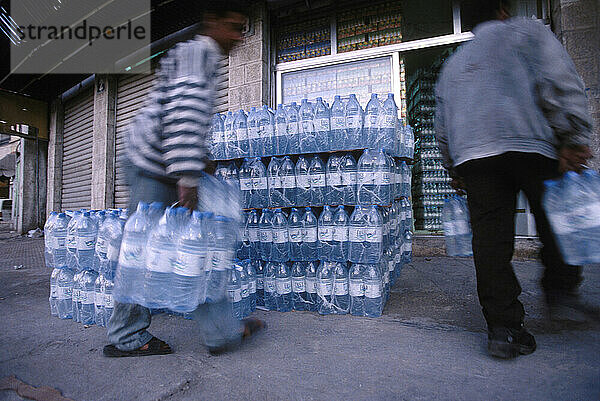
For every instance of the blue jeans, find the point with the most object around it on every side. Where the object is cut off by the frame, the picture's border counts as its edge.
(128, 323)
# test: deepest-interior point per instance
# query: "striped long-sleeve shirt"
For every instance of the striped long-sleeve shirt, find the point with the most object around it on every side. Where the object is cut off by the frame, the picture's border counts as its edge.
(169, 136)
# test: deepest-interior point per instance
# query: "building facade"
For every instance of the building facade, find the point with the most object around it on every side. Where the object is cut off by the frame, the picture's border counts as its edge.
(292, 50)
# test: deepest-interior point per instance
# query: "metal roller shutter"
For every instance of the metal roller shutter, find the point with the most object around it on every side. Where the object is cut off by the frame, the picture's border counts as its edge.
(78, 134)
(222, 100)
(131, 94)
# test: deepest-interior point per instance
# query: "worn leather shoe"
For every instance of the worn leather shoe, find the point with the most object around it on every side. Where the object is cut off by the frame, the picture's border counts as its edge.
(507, 343)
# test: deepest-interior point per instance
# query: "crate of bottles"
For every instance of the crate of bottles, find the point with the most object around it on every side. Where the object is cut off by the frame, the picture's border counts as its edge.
(326, 189)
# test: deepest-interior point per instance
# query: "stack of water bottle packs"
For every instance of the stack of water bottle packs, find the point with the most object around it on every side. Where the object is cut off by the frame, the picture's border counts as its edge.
(82, 248)
(328, 219)
(311, 128)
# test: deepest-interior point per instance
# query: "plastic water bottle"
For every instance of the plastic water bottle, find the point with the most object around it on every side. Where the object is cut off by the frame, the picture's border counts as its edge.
(245, 177)
(71, 241)
(281, 244)
(53, 299)
(283, 283)
(48, 240)
(293, 128)
(260, 192)
(357, 235)
(457, 230)
(366, 179)
(86, 231)
(232, 178)
(322, 126)
(340, 244)
(372, 282)
(281, 131)
(259, 267)
(270, 285)
(339, 134)
(265, 233)
(406, 179)
(218, 137)
(310, 244)
(287, 175)
(299, 286)
(303, 184)
(221, 257)
(371, 133)
(88, 297)
(254, 141)
(407, 246)
(318, 181)
(409, 142)
(76, 297)
(310, 281)
(326, 230)
(58, 242)
(348, 169)
(114, 236)
(333, 176)
(240, 123)
(295, 235)
(354, 123)
(340, 295)
(307, 128)
(275, 186)
(356, 289)
(161, 259)
(325, 287)
(244, 288)
(187, 288)
(381, 178)
(99, 316)
(132, 257)
(231, 145)
(253, 236)
(266, 131)
(250, 274)
(64, 293)
(388, 122)
(234, 292)
(374, 236)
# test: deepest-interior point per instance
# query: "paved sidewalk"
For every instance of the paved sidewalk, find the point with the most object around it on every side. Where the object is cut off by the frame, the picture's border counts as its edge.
(430, 344)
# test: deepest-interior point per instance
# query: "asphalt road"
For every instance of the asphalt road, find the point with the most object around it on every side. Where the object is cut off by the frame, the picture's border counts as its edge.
(429, 345)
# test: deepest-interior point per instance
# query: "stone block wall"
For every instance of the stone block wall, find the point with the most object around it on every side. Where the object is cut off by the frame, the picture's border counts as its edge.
(249, 65)
(577, 25)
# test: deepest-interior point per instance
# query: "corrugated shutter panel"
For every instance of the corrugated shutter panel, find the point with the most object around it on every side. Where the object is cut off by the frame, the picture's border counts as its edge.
(78, 134)
(131, 94)
(222, 101)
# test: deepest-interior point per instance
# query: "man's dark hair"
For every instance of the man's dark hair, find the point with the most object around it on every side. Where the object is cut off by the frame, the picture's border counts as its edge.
(220, 8)
(478, 11)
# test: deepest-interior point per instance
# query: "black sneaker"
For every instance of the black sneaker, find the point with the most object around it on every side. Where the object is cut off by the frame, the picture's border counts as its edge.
(507, 343)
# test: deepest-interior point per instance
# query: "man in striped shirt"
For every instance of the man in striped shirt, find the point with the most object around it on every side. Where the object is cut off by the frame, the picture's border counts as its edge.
(167, 149)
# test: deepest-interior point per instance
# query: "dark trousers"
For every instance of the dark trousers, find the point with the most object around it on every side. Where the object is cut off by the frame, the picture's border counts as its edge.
(492, 186)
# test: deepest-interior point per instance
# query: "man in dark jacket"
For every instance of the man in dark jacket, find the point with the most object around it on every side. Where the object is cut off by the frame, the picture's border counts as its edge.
(512, 113)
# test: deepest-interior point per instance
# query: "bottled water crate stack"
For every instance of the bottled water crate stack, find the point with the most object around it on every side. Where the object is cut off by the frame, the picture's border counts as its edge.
(82, 248)
(160, 258)
(431, 186)
(325, 190)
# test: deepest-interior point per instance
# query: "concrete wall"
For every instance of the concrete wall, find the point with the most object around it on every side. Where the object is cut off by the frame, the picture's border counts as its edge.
(55, 158)
(577, 25)
(103, 153)
(31, 212)
(249, 66)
